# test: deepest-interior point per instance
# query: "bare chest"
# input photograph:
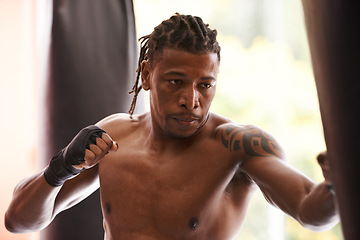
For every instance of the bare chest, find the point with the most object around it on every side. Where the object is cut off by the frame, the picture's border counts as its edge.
(170, 194)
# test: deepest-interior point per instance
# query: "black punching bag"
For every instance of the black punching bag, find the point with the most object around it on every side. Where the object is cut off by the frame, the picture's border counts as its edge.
(92, 67)
(333, 28)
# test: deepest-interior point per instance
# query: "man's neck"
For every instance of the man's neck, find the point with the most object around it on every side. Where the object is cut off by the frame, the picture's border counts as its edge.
(160, 140)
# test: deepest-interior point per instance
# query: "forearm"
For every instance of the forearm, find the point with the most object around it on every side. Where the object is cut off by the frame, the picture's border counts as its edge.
(318, 210)
(31, 208)
(38, 199)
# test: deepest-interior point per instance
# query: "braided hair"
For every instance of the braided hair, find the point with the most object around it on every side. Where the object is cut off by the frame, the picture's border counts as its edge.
(181, 32)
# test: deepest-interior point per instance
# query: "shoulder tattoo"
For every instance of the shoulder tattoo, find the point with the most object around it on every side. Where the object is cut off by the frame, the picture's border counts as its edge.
(251, 140)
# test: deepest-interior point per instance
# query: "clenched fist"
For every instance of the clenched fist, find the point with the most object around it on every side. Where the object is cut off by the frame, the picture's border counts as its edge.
(86, 149)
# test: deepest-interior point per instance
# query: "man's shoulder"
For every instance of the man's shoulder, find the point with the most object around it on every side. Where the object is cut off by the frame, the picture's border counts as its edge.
(247, 140)
(230, 132)
(114, 119)
(121, 124)
(223, 124)
(233, 135)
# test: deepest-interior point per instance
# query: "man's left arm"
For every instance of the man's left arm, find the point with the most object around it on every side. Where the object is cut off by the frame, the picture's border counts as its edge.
(262, 158)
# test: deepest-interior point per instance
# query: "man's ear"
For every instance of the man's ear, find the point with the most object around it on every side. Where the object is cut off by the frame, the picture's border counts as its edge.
(145, 75)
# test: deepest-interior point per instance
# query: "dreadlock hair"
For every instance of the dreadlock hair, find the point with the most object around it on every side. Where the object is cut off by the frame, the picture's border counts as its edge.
(181, 32)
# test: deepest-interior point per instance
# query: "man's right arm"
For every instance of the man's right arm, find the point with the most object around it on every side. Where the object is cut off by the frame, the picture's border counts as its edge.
(35, 203)
(38, 199)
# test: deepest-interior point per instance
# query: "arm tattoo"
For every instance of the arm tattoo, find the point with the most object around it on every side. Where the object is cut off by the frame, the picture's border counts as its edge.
(251, 140)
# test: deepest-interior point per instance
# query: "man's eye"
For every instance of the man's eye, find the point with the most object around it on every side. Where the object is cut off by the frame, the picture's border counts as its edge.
(206, 85)
(175, 82)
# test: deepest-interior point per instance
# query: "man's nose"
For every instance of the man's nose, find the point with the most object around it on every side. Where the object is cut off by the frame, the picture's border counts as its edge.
(189, 98)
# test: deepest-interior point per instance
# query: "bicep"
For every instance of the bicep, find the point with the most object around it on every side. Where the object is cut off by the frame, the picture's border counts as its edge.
(77, 189)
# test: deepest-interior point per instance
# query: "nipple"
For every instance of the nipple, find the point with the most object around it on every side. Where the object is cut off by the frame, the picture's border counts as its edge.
(194, 223)
(108, 208)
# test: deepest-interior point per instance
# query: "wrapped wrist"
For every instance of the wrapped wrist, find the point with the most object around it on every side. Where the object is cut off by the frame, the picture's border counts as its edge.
(61, 165)
(59, 171)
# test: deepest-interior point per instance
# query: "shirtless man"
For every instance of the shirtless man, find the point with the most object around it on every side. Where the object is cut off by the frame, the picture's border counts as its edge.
(179, 171)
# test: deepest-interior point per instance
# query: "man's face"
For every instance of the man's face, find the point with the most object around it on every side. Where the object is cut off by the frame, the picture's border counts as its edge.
(182, 86)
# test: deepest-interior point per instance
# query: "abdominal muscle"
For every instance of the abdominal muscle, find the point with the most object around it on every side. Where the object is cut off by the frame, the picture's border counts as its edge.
(223, 225)
(143, 204)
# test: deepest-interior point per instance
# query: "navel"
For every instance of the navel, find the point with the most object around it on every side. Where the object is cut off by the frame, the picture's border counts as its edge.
(193, 223)
(107, 208)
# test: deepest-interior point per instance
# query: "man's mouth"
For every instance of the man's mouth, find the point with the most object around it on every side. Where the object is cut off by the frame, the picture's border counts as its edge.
(186, 119)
